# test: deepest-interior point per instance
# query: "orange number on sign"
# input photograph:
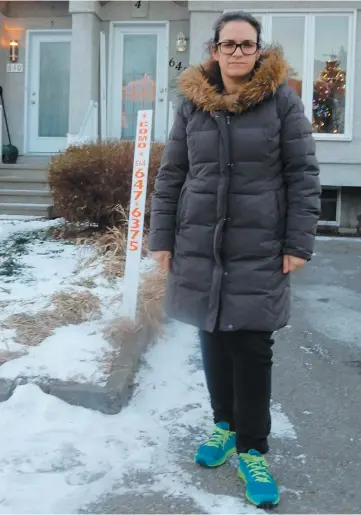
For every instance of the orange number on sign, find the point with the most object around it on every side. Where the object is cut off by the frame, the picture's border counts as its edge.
(138, 194)
(134, 234)
(136, 213)
(139, 174)
(139, 184)
(133, 245)
(136, 224)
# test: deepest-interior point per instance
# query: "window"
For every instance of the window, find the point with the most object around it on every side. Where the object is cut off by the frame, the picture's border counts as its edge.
(330, 205)
(289, 33)
(329, 74)
(319, 47)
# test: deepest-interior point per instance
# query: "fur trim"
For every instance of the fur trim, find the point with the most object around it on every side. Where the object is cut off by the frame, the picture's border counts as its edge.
(198, 84)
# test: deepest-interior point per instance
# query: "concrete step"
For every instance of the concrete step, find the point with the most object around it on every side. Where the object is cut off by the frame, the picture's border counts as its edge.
(25, 196)
(25, 209)
(23, 183)
(22, 171)
(41, 161)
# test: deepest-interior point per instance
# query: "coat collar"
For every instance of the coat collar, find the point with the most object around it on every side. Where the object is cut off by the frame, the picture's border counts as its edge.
(201, 84)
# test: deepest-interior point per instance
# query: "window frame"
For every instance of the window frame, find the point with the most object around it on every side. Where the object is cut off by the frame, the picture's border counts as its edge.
(308, 63)
(337, 222)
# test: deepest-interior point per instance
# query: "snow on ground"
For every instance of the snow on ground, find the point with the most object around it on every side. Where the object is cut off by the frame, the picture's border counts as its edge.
(16, 224)
(57, 458)
(45, 268)
(72, 353)
(346, 239)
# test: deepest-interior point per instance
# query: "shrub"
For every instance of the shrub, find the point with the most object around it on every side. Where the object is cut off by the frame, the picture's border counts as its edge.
(91, 183)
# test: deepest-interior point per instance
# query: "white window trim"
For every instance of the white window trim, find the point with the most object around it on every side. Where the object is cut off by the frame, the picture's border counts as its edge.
(337, 222)
(307, 89)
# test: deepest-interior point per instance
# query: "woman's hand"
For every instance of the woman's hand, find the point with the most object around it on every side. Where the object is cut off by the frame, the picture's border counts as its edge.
(162, 258)
(292, 263)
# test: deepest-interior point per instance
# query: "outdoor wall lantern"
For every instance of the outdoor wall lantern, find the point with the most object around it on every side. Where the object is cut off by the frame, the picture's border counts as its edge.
(181, 44)
(13, 51)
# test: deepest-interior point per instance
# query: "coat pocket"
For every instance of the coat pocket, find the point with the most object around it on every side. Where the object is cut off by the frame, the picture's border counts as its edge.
(281, 202)
(180, 207)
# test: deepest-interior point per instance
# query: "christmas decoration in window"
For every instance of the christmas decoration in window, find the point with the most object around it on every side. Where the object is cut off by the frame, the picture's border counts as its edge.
(329, 99)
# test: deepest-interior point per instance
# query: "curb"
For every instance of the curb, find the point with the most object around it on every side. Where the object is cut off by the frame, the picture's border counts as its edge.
(108, 399)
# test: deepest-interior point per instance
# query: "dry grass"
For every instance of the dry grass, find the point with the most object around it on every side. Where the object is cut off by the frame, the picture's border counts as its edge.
(68, 309)
(150, 301)
(149, 311)
(6, 356)
(123, 331)
(73, 232)
(109, 250)
(118, 329)
(109, 245)
(71, 308)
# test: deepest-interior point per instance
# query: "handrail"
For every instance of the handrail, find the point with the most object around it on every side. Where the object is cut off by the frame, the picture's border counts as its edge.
(103, 88)
(1, 133)
(89, 128)
(171, 108)
(87, 117)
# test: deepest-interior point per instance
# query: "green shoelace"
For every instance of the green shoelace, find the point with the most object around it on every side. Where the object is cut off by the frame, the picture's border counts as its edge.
(258, 468)
(218, 438)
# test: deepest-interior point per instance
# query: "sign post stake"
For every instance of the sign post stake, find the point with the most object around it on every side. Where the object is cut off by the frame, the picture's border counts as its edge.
(136, 211)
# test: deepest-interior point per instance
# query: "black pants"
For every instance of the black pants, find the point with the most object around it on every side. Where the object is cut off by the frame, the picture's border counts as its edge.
(238, 369)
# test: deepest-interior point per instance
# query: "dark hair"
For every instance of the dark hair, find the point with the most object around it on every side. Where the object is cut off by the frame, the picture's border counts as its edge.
(234, 16)
(214, 75)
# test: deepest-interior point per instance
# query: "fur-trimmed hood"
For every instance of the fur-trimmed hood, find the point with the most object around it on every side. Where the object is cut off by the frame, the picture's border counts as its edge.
(199, 84)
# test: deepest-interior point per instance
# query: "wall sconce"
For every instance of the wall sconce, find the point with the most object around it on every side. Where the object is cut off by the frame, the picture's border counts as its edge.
(13, 51)
(181, 44)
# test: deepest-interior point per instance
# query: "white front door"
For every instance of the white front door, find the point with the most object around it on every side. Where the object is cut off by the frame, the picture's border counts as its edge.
(47, 94)
(138, 78)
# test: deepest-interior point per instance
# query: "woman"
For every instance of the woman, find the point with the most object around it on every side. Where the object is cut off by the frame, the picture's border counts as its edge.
(235, 210)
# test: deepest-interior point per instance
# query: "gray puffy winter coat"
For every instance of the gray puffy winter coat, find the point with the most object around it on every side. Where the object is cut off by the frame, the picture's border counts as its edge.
(238, 187)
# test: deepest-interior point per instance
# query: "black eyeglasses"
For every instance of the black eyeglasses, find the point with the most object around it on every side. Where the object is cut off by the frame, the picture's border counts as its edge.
(229, 47)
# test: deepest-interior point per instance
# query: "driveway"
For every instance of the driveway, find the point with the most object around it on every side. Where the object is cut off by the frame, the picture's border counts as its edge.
(317, 396)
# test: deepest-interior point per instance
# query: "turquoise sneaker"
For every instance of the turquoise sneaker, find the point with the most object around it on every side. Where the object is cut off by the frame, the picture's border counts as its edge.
(261, 488)
(220, 447)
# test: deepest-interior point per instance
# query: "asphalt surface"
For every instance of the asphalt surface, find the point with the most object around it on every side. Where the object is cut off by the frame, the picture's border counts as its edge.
(317, 382)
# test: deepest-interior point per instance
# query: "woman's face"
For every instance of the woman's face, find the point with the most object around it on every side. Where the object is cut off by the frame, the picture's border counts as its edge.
(236, 62)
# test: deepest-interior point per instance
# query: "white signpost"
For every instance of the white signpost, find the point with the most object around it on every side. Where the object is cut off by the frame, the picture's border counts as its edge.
(136, 211)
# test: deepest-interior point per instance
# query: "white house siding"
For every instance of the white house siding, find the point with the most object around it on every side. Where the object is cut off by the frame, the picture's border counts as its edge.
(16, 20)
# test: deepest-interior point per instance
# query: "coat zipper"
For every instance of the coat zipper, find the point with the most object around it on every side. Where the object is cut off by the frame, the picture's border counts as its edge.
(219, 227)
(179, 207)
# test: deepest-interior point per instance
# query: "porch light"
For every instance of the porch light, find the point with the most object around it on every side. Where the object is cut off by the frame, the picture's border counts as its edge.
(181, 44)
(13, 51)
